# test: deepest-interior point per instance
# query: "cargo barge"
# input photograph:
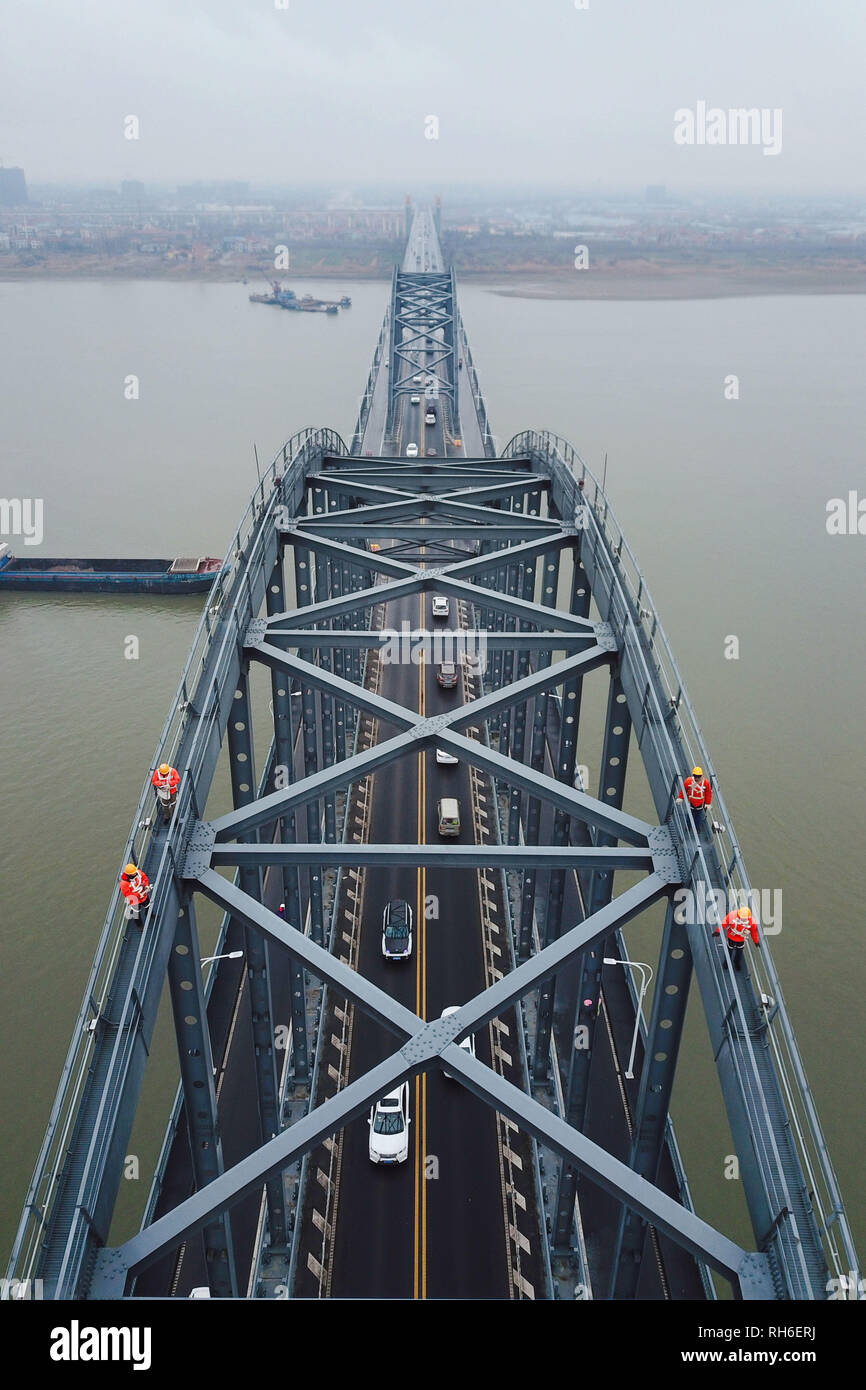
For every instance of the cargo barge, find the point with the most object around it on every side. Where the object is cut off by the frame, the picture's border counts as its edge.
(287, 299)
(98, 576)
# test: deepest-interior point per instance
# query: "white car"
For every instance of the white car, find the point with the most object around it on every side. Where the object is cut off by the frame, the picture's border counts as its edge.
(389, 1127)
(445, 759)
(468, 1044)
(397, 930)
(417, 379)
(411, 451)
(440, 606)
(429, 418)
(414, 400)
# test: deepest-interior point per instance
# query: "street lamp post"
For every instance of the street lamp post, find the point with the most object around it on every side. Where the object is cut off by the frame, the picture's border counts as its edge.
(646, 974)
(229, 955)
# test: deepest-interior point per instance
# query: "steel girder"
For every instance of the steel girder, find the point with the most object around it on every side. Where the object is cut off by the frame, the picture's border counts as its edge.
(421, 305)
(425, 1045)
(442, 730)
(189, 1009)
(664, 1035)
(284, 742)
(771, 1112)
(460, 640)
(257, 953)
(568, 802)
(611, 787)
(450, 856)
(64, 1222)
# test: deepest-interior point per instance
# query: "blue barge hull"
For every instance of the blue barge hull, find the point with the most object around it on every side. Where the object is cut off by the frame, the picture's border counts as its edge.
(103, 576)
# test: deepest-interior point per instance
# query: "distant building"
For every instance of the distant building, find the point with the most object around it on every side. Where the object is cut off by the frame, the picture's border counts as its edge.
(656, 193)
(132, 191)
(230, 193)
(13, 188)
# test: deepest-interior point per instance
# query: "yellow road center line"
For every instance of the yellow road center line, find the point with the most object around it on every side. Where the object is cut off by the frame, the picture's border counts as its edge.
(419, 1242)
(423, 1001)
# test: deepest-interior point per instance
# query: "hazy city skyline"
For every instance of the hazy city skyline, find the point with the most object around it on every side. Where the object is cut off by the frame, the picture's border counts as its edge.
(547, 95)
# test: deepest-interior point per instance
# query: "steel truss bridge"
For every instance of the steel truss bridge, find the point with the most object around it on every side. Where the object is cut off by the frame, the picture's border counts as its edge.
(330, 571)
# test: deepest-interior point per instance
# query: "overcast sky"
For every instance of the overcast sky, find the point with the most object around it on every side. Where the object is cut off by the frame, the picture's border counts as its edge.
(338, 90)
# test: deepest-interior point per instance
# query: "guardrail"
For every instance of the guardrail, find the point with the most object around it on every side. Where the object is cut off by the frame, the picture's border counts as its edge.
(635, 614)
(370, 388)
(477, 398)
(183, 723)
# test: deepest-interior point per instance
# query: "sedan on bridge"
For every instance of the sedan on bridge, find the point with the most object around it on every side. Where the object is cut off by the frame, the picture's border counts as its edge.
(411, 451)
(447, 675)
(389, 1127)
(397, 930)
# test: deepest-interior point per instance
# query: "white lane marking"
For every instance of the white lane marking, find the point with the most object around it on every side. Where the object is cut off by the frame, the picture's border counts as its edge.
(322, 1225)
(523, 1284)
(519, 1238)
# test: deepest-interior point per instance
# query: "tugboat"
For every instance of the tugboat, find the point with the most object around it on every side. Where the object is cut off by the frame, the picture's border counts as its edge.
(272, 298)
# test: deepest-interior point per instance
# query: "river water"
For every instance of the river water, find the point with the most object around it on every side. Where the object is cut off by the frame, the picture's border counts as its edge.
(723, 501)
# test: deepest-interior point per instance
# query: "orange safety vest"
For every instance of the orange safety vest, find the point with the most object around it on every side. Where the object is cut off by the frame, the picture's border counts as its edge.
(135, 890)
(735, 929)
(169, 783)
(698, 791)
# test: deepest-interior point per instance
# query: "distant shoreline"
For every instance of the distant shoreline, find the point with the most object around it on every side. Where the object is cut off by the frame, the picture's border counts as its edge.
(687, 284)
(604, 283)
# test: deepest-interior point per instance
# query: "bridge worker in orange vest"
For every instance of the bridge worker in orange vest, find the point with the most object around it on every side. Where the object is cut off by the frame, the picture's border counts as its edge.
(135, 887)
(166, 779)
(735, 926)
(699, 794)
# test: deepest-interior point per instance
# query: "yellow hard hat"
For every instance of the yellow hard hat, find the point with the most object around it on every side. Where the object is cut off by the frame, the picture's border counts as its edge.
(130, 870)
(164, 769)
(697, 772)
(743, 912)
